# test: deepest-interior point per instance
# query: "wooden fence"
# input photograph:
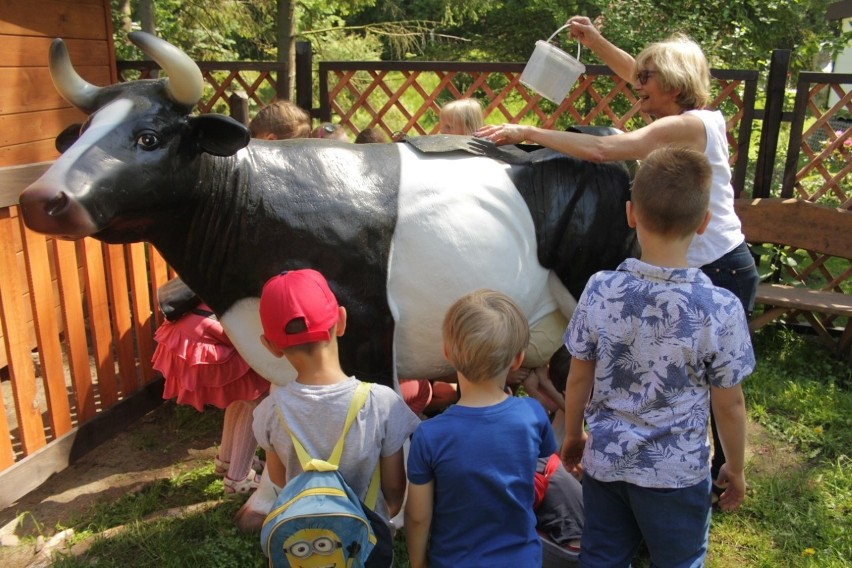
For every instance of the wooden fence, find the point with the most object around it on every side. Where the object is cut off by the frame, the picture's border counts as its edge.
(64, 371)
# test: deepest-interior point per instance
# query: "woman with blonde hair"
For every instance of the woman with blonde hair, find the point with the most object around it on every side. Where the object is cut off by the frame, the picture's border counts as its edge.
(672, 80)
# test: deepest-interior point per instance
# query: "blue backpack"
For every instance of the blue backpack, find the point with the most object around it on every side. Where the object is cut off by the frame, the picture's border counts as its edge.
(317, 513)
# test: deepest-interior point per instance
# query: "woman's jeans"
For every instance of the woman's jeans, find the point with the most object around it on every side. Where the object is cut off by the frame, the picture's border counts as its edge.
(736, 272)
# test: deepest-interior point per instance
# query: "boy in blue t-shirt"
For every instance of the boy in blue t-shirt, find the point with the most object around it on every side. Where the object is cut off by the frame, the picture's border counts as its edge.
(471, 468)
(654, 345)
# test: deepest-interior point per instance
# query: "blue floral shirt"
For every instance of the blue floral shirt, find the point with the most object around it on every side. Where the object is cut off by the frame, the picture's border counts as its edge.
(660, 337)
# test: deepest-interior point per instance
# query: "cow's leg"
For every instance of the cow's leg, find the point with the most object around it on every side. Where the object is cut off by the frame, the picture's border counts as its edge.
(545, 338)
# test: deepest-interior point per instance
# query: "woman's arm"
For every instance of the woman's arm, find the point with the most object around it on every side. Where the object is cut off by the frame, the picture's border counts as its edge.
(683, 131)
(584, 30)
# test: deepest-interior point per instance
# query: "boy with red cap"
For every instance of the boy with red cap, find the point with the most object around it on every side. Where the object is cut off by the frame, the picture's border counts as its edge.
(301, 321)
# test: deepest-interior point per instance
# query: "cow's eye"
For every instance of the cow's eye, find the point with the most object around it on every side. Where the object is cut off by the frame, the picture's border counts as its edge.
(148, 141)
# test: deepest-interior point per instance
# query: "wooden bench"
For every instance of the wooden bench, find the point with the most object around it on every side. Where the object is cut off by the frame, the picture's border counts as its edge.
(823, 231)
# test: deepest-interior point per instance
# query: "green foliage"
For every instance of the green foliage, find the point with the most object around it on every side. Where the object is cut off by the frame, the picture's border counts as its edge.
(738, 35)
(207, 30)
(734, 35)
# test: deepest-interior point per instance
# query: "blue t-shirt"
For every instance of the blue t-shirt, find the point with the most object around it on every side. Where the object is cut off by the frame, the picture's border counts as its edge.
(482, 461)
(660, 338)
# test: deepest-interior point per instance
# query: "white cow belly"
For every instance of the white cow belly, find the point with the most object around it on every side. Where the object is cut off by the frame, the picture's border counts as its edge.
(242, 324)
(461, 226)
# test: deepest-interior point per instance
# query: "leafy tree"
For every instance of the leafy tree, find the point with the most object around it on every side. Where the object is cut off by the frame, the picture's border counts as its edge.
(734, 35)
(738, 34)
(205, 29)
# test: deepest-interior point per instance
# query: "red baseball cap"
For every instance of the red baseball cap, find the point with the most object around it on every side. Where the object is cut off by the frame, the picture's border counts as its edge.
(297, 294)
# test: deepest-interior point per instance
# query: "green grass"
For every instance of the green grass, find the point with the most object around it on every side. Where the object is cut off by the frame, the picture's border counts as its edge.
(798, 511)
(798, 514)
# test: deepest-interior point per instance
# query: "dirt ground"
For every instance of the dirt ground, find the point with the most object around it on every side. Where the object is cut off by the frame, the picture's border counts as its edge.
(154, 448)
(158, 446)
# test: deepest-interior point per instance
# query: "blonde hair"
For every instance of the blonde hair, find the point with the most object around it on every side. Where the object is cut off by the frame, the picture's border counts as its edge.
(671, 191)
(483, 331)
(282, 119)
(463, 115)
(680, 65)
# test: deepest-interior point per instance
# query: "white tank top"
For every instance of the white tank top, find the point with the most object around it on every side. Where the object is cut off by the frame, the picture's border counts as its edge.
(724, 233)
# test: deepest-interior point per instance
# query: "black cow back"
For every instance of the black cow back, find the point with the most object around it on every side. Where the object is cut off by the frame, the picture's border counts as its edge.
(578, 209)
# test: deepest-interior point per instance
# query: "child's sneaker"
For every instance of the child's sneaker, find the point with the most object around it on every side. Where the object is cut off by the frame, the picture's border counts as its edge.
(234, 488)
(221, 467)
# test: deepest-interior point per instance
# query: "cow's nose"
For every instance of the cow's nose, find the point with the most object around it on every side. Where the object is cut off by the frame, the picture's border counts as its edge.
(57, 205)
(53, 211)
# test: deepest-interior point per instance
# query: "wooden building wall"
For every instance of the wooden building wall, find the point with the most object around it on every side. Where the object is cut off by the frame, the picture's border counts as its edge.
(31, 111)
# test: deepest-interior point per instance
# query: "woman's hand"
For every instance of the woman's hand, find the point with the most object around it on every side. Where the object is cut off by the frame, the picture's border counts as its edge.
(584, 30)
(502, 134)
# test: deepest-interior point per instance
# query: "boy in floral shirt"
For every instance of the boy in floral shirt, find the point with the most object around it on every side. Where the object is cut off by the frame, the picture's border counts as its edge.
(654, 344)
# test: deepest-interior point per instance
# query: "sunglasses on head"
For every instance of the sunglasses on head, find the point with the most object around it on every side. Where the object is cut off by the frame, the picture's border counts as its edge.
(643, 76)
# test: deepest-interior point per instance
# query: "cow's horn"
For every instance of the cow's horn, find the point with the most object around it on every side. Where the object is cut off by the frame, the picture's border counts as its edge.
(70, 85)
(185, 82)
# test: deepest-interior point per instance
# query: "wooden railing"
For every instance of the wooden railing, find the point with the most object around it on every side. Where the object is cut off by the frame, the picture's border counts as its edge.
(77, 319)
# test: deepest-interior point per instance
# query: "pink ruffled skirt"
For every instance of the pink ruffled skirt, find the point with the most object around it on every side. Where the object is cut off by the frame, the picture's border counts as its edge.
(200, 364)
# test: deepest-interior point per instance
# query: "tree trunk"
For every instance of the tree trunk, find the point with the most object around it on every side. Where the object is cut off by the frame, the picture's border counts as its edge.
(286, 39)
(146, 16)
(126, 16)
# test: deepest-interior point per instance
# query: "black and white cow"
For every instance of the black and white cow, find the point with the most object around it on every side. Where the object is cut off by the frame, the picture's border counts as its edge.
(400, 232)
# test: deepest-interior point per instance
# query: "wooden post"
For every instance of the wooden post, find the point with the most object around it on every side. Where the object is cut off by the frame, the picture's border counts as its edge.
(772, 118)
(304, 84)
(238, 105)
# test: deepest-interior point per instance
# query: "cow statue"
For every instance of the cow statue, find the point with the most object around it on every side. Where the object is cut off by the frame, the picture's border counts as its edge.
(399, 230)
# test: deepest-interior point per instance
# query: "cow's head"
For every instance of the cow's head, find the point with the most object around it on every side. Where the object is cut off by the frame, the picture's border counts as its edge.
(137, 155)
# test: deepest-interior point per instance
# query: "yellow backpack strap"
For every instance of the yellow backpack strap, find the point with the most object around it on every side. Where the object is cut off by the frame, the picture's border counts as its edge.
(358, 400)
(312, 464)
(306, 461)
(373, 490)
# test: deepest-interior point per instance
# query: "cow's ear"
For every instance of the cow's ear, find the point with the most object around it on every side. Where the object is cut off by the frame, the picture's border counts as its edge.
(67, 137)
(219, 135)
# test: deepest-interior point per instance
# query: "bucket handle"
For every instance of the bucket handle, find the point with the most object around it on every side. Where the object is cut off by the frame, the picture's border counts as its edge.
(579, 45)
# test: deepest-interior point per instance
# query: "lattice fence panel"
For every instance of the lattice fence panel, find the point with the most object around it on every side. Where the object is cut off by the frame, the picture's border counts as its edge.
(824, 157)
(407, 97)
(257, 80)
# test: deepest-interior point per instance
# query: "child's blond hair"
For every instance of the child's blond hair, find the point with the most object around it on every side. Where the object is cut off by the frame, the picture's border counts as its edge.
(483, 332)
(282, 119)
(463, 113)
(671, 191)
